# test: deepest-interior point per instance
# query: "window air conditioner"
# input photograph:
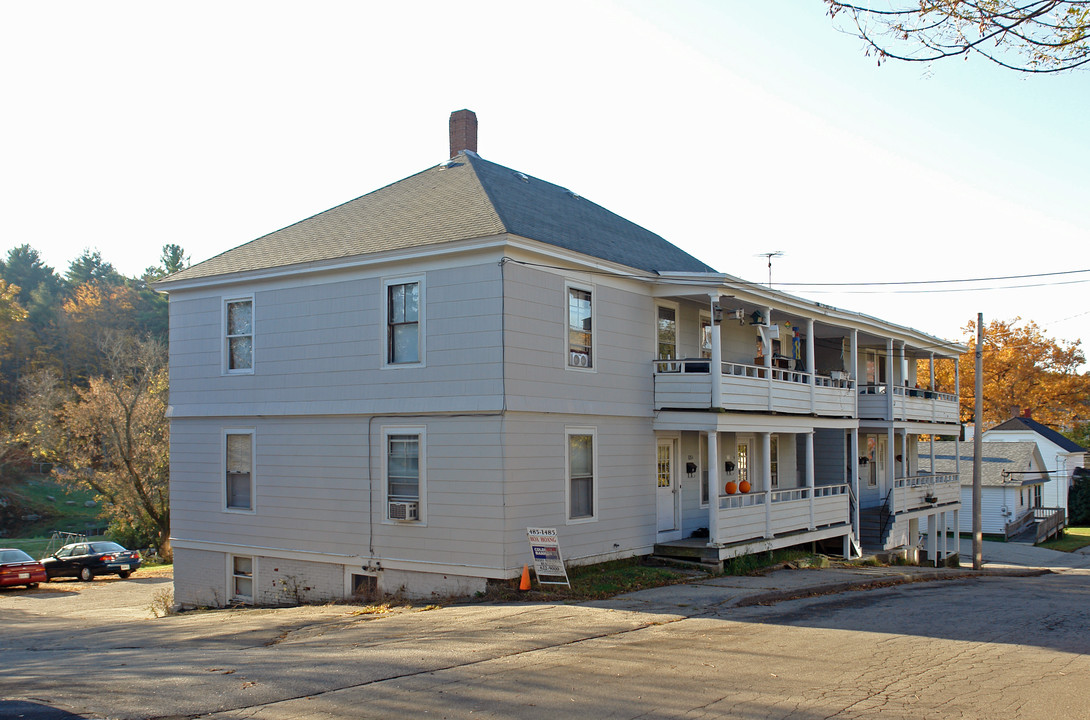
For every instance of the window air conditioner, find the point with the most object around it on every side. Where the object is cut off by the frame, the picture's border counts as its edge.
(579, 359)
(404, 511)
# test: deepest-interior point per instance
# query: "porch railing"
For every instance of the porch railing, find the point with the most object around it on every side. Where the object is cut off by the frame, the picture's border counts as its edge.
(1050, 522)
(908, 403)
(921, 491)
(766, 515)
(686, 383)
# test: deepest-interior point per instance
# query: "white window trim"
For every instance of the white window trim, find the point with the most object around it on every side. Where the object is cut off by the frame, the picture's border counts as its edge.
(594, 334)
(225, 365)
(253, 470)
(420, 324)
(231, 596)
(421, 432)
(596, 481)
(670, 305)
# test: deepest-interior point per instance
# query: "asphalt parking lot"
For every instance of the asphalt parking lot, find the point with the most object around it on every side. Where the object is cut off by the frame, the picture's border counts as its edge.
(95, 650)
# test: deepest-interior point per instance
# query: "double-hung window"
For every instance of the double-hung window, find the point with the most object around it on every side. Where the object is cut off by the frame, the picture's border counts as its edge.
(405, 469)
(239, 334)
(580, 328)
(239, 463)
(582, 488)
(404, 336)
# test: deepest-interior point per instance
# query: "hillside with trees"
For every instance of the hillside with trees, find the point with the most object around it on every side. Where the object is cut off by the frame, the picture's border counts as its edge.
(83, 385)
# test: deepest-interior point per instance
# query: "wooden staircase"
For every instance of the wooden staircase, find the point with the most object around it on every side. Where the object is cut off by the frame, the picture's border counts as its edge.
(875, 524)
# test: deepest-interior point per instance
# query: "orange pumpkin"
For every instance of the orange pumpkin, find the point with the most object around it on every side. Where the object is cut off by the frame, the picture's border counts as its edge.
(731, 488)
(744, 487)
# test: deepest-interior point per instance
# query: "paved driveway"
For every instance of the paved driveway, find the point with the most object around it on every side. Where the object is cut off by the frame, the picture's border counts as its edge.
(922, 650)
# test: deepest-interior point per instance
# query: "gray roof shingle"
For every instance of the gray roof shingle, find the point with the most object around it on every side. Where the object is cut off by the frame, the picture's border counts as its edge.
(996, 457)
(466, 198)
(1024, 423)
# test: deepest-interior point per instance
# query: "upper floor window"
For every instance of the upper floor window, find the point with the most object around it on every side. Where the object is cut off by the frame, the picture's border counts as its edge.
(240, 335)
(404, 336)
(580, 330)
(239, 464)
(667, 333)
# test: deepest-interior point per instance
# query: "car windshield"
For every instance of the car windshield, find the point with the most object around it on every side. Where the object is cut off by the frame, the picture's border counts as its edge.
(103, 547)
(14, 556)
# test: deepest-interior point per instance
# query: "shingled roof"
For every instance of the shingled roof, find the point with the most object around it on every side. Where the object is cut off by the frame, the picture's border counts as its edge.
(1025, 423)
(465, 198)
(996, 457)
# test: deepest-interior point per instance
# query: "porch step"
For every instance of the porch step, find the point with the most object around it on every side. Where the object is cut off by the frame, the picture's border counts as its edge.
(691, 550)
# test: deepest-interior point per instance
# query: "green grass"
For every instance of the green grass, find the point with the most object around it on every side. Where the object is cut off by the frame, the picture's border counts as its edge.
(605, 580)
(35, 547)
(1073, 539)
(31, 495)
(594, 582)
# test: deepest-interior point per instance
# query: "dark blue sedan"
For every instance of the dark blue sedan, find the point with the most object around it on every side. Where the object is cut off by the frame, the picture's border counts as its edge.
(85, 560)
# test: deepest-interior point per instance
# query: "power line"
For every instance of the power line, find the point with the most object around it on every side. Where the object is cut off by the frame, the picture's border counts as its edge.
(936, 282)
(943, 290)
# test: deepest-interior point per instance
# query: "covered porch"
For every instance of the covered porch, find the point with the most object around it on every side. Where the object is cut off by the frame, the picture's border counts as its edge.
(763, 485)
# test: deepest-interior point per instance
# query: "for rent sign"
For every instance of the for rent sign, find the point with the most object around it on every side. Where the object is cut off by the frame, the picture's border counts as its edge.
(548, 562)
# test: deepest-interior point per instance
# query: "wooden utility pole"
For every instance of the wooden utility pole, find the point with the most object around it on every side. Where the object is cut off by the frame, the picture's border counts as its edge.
(978, 459)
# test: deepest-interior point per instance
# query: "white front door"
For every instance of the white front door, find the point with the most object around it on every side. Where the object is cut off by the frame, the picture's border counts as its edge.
(666, 493)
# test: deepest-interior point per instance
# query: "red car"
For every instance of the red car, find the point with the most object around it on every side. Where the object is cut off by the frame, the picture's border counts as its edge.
(18, 568)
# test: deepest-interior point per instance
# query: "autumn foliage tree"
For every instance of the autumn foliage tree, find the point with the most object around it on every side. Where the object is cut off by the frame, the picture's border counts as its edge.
(111, 435)
(1023, 370)
(1031, 36)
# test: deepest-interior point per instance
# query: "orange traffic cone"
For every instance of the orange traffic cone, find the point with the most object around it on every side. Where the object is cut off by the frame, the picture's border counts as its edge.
(525, 584)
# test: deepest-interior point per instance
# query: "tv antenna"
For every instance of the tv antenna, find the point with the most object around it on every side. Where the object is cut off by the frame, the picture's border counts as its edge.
(769, 256)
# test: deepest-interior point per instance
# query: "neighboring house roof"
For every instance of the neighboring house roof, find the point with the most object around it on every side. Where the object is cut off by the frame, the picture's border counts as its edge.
(465, 198)
(997, 457)
(1024, 423)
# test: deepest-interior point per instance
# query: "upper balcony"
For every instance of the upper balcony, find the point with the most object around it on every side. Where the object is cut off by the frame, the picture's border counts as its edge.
(687, 385)
(908, 404)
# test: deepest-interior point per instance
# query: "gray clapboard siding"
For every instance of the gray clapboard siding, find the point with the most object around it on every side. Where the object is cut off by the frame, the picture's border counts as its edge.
(305, 501)
(318, 349)
(535, 496)
(538, 378)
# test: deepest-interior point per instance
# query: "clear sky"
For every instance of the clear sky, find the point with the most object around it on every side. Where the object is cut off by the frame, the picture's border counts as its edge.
(730, 128)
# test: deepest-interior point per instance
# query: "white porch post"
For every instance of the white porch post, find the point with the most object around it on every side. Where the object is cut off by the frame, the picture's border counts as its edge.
(945, 533)
(810, 362)
(931, 386)
(853, 371)
(902, 366)
(810, 472)
(933, 539)
(891, 450)
(766, 345)
(713, 486)
(957, 529)
(717, 361)
(766, 471)
(853, 464)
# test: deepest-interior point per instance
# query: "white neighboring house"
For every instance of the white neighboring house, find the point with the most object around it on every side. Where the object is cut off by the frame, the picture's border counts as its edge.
(1061, 455)
(1013, 477)
(387, 394)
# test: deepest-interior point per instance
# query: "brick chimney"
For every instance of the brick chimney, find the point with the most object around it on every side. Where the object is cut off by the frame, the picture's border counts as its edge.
(463, 131)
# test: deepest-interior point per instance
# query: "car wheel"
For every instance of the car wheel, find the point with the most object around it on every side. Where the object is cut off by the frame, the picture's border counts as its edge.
(124, 574)
(86, 575)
